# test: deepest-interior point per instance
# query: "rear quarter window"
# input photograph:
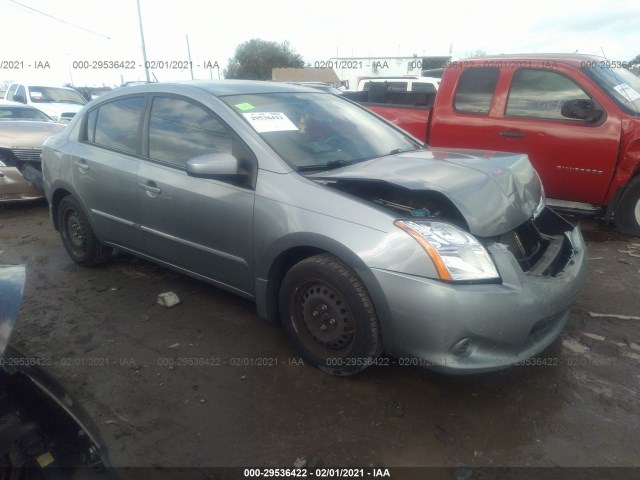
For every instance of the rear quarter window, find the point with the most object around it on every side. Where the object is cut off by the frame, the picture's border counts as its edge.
(475, 90)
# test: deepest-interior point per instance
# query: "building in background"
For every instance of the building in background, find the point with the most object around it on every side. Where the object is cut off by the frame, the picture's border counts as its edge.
(306, 75)
(351, 69)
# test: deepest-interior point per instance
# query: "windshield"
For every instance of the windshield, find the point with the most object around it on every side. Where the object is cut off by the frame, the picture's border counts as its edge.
(620, 84)
(318, 131)
(23, 113)
(55, 94)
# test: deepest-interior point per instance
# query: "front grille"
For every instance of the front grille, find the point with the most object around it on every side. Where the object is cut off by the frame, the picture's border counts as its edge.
(27, 154)
(525, 243)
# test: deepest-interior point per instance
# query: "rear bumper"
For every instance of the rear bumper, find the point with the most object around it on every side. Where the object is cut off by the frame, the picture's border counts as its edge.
(481, 327)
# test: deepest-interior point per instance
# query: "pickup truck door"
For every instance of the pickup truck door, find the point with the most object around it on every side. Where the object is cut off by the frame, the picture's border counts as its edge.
(575, 159)
(202, 225)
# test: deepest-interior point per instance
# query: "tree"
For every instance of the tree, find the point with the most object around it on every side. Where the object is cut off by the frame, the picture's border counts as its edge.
(254, 59)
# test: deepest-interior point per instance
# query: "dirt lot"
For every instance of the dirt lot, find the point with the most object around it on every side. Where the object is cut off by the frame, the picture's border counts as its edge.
(127, 360)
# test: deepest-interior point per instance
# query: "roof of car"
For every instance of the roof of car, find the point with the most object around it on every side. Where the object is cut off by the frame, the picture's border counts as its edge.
(224, 87)
(569, 58)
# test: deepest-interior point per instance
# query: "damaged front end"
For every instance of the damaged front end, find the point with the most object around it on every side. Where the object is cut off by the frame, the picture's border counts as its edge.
(20, 175)
(44, 433)
(541, 246)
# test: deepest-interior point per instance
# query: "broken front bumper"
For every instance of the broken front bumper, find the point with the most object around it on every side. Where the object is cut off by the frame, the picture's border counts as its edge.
(467, 328)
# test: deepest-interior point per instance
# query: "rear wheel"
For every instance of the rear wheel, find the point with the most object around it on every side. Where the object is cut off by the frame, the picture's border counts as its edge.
(329, 316)
(77, 236)
(627, 214)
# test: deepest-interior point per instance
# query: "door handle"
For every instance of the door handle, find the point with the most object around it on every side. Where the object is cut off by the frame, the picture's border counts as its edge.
(512, 134)
(81, 164)
(150, 187)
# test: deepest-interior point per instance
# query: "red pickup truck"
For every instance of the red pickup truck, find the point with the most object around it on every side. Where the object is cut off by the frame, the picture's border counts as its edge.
(576, 116)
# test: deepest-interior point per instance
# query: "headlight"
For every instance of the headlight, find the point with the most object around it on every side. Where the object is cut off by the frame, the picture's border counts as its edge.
(455, 254)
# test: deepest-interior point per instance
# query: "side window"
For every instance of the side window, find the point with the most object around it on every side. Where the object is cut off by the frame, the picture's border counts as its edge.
(541, 94)
(12, 91)
(180, 130)
(475, 90)
(117, 124)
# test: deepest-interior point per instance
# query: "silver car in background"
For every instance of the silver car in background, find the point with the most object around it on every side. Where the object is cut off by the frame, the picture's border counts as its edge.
(354, 235)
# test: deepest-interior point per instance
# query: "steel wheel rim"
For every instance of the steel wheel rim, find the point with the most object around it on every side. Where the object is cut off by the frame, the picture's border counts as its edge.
(325, 322)
(75, 232)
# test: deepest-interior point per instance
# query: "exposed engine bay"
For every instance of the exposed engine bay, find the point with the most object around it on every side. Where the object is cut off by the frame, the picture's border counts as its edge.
(402, 201)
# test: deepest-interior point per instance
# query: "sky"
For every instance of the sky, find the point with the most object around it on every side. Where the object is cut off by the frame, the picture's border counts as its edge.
(69, 35)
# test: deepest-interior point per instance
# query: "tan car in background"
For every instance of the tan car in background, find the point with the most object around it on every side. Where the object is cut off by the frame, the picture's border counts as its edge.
(23, 129)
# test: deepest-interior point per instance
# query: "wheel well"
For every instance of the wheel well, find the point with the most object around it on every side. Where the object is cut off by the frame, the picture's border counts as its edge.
(279, 268)
(58, 195)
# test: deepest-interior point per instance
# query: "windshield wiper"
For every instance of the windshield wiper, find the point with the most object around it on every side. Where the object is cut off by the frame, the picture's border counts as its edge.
(327, 166)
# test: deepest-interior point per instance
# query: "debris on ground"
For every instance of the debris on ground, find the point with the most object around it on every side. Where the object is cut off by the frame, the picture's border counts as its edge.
(168, 299)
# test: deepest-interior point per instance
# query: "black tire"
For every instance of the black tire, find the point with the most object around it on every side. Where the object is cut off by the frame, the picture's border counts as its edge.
(77, 235)
(329, 316)
(627, 214)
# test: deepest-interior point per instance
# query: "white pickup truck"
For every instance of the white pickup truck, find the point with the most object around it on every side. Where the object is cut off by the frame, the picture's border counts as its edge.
(59, 103)
(401, 84)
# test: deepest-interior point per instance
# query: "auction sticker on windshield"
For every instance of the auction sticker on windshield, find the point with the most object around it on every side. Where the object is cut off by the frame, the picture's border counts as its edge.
(269, 122)
(627, 91)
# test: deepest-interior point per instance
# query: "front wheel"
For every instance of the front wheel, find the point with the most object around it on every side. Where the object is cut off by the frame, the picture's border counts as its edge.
(329, 316)
(627, 214)
(77, 236)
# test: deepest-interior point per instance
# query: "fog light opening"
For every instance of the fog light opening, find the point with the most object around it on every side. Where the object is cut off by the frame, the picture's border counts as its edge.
(463, 348)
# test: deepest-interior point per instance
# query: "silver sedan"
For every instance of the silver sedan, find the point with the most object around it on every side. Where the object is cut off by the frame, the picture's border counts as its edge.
(353, 234)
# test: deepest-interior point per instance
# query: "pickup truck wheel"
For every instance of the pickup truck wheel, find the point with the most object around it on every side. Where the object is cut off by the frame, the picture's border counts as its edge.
(329, 316)
(77, 236)
(627, 214)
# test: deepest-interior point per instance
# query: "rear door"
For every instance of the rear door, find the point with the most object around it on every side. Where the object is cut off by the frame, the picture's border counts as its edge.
(105, 167)
(198, 224)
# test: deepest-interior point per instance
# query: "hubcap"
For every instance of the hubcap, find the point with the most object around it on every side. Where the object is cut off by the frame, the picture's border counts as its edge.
(326, 316)
(637, 212)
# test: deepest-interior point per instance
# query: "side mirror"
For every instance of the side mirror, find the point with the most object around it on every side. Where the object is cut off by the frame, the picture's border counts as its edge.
(581, 110)
(19, 98)
(221, 165)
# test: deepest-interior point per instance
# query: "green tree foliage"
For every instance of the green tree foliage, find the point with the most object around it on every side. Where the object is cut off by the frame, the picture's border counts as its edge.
(254, 59)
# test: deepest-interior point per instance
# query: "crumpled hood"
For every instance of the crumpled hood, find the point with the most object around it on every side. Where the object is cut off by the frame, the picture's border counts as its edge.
(495, 192)
(27, 133)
